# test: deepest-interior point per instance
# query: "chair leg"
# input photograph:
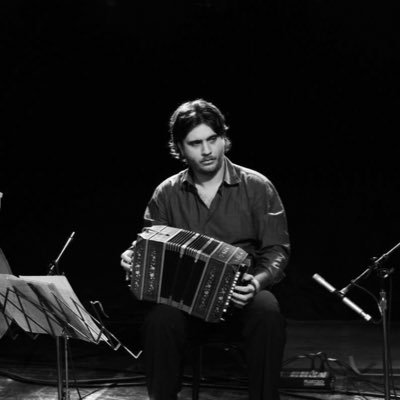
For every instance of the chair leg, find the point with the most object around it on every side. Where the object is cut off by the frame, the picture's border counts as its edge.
(196, 371)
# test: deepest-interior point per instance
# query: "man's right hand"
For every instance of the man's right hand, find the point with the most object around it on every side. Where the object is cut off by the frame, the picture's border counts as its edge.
(126, 260)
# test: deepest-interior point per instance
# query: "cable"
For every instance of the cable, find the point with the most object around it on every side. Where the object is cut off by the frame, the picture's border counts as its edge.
(299, 395)
(81, 382)
(140, 381)
(318, 362)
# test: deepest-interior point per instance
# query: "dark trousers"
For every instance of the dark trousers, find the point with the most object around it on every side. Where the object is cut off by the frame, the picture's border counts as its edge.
(166, 331)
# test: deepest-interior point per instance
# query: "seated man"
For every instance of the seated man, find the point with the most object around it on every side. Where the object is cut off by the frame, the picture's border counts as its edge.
(233, 204)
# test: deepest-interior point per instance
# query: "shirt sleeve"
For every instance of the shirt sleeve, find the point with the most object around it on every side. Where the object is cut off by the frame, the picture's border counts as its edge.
(272, 254)
(156, 210)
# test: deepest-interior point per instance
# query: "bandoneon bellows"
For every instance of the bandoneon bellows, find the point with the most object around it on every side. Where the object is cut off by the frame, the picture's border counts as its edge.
(186, 270)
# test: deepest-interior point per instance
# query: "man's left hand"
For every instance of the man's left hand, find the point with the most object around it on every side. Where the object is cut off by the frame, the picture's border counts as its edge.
(244, 293)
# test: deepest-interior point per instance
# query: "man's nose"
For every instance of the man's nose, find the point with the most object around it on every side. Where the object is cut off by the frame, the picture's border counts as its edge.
(206, 149)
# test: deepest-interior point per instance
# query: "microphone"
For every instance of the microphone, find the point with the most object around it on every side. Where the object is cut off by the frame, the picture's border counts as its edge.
(1, 195)
(345, 300)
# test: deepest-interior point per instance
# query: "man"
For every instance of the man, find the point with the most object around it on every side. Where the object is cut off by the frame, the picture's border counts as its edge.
(233, 204)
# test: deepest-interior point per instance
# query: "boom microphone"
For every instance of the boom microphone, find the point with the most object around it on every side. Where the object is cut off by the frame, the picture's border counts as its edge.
(345, 300)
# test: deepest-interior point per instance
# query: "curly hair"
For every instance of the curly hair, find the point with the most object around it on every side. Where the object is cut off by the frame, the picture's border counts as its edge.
(191, 114)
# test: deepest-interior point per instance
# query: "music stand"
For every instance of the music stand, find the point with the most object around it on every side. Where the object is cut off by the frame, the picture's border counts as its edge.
(4, 324)
(48, 305)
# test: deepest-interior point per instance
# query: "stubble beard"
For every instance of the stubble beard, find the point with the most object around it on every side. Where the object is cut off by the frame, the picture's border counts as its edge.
(210, 171)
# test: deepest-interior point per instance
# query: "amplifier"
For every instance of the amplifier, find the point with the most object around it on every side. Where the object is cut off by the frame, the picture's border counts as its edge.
(309, 379)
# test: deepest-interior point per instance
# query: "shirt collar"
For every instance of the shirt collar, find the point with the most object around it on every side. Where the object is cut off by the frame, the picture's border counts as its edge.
(231, 177)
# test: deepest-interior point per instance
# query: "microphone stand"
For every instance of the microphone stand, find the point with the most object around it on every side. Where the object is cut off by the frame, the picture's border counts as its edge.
(54, 270)
(378, 265)
(54, 264)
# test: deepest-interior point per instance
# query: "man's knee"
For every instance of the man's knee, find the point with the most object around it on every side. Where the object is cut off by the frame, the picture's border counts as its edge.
(265, 312)
(265, 302)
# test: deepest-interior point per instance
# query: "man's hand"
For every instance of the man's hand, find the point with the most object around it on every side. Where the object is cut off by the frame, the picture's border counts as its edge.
(244, 293)
(126, 260)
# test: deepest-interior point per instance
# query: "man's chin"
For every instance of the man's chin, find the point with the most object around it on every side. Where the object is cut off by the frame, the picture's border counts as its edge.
(208, 169)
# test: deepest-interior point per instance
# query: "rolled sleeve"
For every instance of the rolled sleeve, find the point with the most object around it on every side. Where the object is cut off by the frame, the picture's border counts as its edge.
(273, 252)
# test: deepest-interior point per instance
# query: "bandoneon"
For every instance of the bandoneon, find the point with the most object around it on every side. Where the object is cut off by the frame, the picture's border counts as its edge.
(186, 270)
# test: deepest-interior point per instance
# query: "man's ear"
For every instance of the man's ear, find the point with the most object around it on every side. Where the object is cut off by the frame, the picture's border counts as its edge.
(226, 144)
(180, 148)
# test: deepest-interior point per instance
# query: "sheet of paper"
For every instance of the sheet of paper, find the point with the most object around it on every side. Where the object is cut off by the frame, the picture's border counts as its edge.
(65, 303)
(3, 325)
(22, 305)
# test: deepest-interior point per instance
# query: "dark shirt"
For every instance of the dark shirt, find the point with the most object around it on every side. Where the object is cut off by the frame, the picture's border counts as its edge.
(246, 212)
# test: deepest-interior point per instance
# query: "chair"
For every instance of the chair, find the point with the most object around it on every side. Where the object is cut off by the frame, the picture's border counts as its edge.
(197, 352)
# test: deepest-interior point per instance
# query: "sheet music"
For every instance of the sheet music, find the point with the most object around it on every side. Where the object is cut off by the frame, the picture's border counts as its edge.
(3, 325)
(59, 293)
(24, 307)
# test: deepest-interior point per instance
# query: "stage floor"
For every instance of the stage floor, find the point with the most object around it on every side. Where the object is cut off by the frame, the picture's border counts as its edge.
(351, 353)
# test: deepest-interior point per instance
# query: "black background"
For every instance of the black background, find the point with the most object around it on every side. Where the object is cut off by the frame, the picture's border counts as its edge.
(309, 90)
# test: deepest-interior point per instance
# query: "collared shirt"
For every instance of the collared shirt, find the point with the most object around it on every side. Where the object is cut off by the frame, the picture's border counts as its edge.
(246, 212)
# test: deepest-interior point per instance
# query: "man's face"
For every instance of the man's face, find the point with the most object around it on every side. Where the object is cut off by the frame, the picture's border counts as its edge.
(203, 150)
